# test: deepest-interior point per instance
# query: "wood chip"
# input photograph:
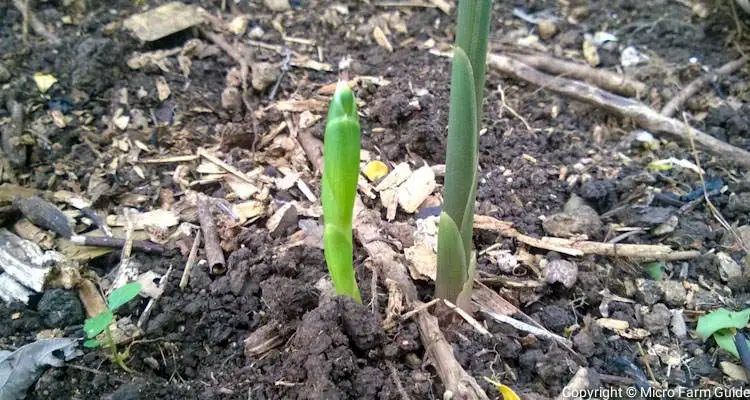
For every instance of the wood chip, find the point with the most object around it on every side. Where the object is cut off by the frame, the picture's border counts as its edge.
(163, 21)
(156, 218)
(170, 160)
(249, 210)
(397, 176)
(301, 105)
(284, 218)
(381, 39)
(162, 88)
(733, 371)
(422, 262)
(613, 324)
(242, 189)
(415, 190)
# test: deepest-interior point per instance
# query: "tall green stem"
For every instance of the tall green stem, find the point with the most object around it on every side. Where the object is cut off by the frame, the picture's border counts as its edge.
(456, 259)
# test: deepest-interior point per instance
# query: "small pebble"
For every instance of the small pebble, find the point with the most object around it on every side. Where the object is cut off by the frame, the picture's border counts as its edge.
(4, 74)
(546, 28)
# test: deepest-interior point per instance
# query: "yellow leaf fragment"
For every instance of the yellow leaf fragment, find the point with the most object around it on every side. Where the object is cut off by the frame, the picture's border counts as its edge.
(382, 39)
(44, 81)
(375, 170)
(507, 392)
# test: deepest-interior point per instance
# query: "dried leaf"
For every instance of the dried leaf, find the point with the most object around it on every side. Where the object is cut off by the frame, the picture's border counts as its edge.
(381, 39)
(44, 81)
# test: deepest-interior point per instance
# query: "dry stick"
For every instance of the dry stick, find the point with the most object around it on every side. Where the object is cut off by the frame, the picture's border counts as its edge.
(231, 52)
(268, 138)
(232, 170)
(11, 133)
(397, 381)
(604, 79)
(214, 254)
(640, 251)
(35, 23)
(473, 322)
(644, 357)
(688, 91)
(91, 298)
(116, 243)
(312, 147)
(452, 374)
(639, 112)
(126, 271)
(191, 260)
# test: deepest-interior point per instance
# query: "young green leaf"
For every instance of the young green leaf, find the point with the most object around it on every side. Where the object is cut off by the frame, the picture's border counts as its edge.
(451, 260)
(456, 220)
(96, 324)
(123, 294)
(655, 270)
(464, 119)
(91, 343)
(341, 149)
(725, 339)
(472, 34)
(721, 319)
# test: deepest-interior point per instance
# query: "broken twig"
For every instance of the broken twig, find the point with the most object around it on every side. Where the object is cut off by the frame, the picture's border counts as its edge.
(604, 79)
(214, 254)
(35, 23)
(696, 85)
(116, 243)
(642, 114)
(190, 261)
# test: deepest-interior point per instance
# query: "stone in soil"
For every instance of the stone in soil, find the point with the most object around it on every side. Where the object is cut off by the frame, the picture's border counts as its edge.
(562, 271)
(576, 219)
(60, 308)
(646, 217)
(675, 293)
(657, 320)
(600, 194)
(648, 291)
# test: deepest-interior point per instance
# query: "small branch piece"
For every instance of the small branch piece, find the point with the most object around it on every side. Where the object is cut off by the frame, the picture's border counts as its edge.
(604, 79)
(696, 85)
(23, 260)
(214, 254)
(35, 23)
(116, 243)
(639, 251)
(190, 261)
(11, 134)
(643, 115)
(440, 352)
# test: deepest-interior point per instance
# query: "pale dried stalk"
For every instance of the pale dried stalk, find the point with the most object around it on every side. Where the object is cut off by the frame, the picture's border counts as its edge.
(690, 90)
(604, 79)
(642, 114)
(191, 260)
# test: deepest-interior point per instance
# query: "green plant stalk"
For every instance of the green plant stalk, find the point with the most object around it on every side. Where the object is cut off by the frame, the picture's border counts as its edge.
(456, 257)
(116, 357)
(341, 149)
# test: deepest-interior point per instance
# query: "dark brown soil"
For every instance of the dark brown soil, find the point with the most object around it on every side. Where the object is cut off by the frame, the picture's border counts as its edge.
(333, 348)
